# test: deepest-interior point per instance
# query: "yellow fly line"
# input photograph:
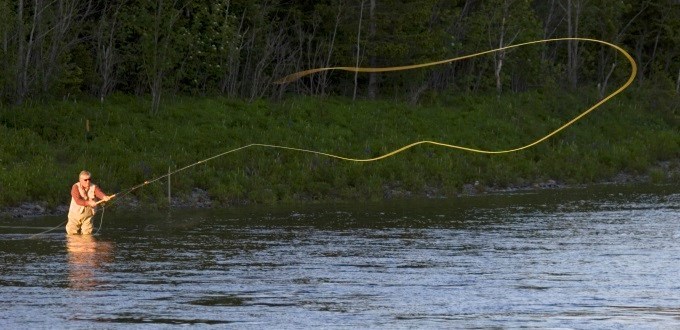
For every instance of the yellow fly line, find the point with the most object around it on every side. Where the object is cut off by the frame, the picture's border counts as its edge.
(298, 75)
(631, 78)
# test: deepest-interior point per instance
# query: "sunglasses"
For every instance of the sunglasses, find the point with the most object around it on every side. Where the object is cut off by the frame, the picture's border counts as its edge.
(86, 179)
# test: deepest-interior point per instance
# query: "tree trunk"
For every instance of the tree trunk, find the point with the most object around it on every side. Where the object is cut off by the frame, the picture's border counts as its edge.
(372, 62)
(156, 74)
(603, 85)
(324, 76)
(356, 74)
(500, 55)
(21, 44)
(106, 50)
(573, 11)
(503, 41)
(230, 84)
(156, 90)
(63, 19)
(161, 56)
(652, 57)
(25, 54)
(416, 92)
(548, 31)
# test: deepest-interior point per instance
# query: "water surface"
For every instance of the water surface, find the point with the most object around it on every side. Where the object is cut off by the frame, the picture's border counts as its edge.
(581, 258)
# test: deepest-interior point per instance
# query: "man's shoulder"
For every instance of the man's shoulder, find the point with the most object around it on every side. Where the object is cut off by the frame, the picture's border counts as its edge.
(74, 190)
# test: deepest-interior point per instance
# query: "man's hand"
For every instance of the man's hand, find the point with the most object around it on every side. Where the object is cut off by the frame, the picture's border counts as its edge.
(106, 199)
(91, 203)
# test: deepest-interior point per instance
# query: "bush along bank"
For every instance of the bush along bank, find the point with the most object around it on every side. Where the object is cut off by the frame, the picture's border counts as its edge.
(43, 147)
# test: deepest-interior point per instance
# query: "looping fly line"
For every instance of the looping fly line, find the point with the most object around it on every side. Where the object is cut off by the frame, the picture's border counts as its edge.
(298, 75)
(631, 78)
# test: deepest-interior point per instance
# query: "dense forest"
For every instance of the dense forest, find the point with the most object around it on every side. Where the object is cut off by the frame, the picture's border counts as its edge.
(57, 49)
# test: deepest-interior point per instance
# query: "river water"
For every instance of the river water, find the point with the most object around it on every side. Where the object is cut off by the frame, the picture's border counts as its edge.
(601, 257)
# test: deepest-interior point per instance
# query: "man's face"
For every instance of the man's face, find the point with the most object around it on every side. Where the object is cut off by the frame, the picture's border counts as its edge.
(85, 180)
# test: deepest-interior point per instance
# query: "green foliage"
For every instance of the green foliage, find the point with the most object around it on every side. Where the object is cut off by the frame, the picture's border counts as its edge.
(208, 35)
(43, 147)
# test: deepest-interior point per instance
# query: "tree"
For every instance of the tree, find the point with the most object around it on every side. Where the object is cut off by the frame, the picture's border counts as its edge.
(315, 29)
(400, 33)
(263, 49)
(10, 27)
(209, 34)
(107, 55)
(499, 23)
(573, 10)
(610, 26)
(654, 37)
(38, 37)
(157, 42)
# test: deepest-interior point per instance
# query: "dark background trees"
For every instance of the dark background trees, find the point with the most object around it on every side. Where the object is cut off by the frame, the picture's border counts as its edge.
(70, 48)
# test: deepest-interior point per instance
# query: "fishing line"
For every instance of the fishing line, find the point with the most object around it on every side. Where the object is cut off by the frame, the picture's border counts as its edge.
(631, 78)
(295, 76)
(101, 221)
(23, 227)
(298, 75)
(47, 231)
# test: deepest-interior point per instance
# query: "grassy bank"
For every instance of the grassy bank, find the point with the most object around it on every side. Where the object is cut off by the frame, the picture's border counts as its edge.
(43, 147)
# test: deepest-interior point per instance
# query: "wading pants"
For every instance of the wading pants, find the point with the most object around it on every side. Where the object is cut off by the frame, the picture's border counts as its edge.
(80, 222)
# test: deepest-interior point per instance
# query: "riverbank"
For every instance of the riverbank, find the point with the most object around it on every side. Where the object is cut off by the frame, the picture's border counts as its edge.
(198, 198)
(44, 146)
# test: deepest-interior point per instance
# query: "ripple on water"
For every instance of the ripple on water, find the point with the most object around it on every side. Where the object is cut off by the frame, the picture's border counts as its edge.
(578, 259)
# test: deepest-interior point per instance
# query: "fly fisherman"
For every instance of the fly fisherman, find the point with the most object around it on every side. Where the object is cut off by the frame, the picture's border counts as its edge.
(83, 195)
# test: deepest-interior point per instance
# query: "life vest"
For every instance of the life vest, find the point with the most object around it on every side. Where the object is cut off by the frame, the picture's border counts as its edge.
(75, 209)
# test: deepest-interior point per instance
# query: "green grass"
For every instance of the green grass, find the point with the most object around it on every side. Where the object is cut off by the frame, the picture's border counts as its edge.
(43, 147)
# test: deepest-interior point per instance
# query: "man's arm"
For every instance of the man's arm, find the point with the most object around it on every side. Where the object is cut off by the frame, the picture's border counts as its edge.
(100, 194)
(76, 197)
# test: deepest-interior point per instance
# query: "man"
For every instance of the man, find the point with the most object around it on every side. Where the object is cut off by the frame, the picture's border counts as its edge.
(83, 196)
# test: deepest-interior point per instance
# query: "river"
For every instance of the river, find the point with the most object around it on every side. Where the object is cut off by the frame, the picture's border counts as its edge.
(597, 257)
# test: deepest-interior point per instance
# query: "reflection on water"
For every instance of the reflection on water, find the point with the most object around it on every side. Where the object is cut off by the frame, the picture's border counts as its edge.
(607, 258)
(86, 255)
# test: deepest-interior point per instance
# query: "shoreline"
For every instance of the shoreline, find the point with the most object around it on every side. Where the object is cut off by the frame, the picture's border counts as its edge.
(199, 198)
(635, 139)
